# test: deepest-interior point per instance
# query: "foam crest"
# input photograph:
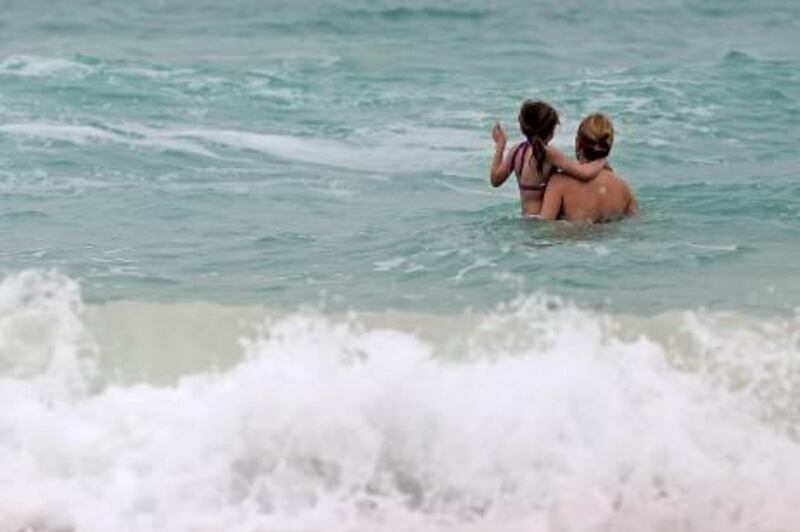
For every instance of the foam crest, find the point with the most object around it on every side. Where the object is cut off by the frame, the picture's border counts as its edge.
(539, 416)
(43, 342)
(89, 135)
(78, 134)
(40, 67)
(415, 156)
(326, 152)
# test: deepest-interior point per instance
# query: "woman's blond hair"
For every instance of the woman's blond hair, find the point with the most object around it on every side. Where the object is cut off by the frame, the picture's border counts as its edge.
(595, 136)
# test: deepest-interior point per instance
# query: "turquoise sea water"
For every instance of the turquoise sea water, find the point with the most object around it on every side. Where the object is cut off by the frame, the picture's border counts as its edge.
(255, 277)
(338, 151)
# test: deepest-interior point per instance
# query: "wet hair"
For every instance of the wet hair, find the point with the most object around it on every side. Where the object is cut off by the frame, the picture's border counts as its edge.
(595, 137)
(538, 121)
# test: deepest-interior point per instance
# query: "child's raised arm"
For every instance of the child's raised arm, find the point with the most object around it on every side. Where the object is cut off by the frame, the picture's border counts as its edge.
(500, 169)
(573, 168)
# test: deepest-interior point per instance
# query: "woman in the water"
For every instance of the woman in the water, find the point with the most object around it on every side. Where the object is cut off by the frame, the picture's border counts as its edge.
(533, 160)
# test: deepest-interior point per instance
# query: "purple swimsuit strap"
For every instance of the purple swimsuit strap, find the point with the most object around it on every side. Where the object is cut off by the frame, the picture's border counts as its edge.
(518, 163)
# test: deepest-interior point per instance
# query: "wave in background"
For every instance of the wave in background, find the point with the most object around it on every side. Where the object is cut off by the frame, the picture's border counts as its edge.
(536, 416)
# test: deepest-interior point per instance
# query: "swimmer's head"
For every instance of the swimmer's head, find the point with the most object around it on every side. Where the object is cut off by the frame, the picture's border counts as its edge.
(594, 138)
(538, 121)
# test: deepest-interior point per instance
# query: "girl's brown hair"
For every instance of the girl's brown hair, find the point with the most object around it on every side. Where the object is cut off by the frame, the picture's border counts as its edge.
(595, 136)
(538, 121)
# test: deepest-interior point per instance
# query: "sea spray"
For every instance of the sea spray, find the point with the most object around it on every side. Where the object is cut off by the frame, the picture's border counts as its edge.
(329, 423)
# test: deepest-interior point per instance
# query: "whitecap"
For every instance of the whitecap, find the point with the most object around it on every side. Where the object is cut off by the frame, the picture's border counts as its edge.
(537, 416)
(38, 67)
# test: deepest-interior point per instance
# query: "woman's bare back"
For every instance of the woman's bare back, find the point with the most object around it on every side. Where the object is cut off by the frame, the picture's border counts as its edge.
(605, 198)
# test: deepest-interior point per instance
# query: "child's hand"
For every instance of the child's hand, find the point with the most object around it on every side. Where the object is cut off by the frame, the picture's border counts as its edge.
(499, 136)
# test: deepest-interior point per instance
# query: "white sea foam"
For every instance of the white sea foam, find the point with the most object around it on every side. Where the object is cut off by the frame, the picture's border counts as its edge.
(536, 417)
(39, 67)
(78, 134)
(368, 155)
(361, 155)
(388, 265)
(87, 135)
(711, 247)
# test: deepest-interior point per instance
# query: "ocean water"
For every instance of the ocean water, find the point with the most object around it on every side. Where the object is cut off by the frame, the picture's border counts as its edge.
(254, 277)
